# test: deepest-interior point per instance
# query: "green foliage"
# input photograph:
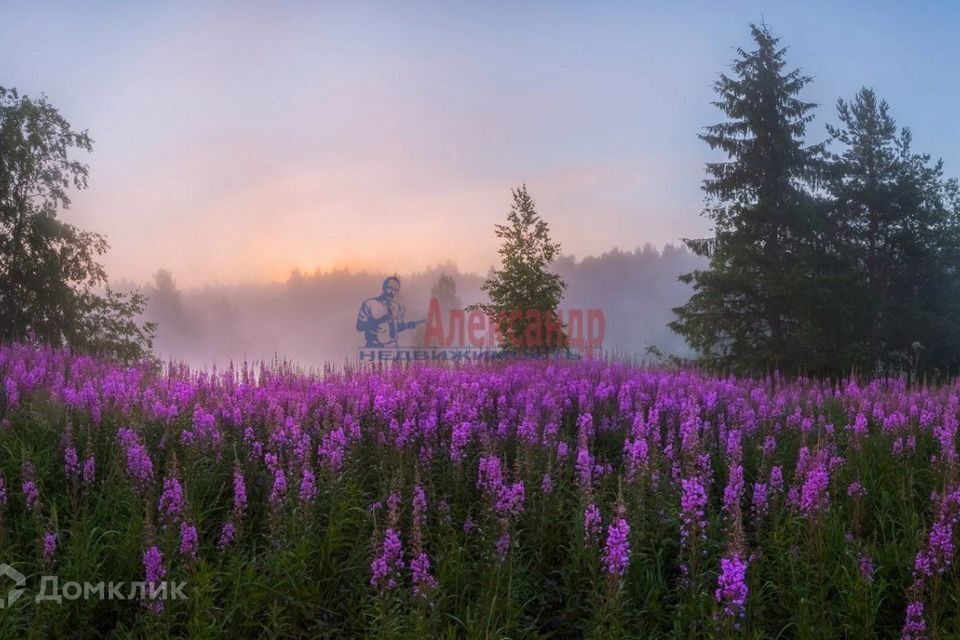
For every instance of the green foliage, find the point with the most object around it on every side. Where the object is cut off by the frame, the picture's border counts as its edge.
(52, 287)
(524, 294)
(821, 261)
(895, 234)
(745, 309)
(305, 572)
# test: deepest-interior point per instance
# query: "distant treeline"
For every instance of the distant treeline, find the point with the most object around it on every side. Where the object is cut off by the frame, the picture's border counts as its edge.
(827, 256)
(312, 317)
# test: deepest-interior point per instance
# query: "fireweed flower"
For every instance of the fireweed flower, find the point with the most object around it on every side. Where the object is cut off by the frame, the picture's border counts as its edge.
(856, 490)
(922, 565)
(279, 487)
(616, 553)
(49, 548)
(71, 464)
(733, 492)
(154, 572)
(308, 486)
(636, 456)
(419, 504)
(866, 568)
(591, 523)
(546, 485)
(769, 445)
(693, 503)
(731, 592)
(584, 468)
(170, 505)
(189, 541)
(940, 547)
(858, 430)
(29, 487)
(239, 490)
(815, 497)
(386, 566)
(443, 507)
(914, 627)
(13, 394)
(332, 448)
(489, 475)
(759, 503)
(776, 478)
(139, 463)
(89, 470)
(423, 580)
(203, 430)
(227, 535)
(459, 439)
(510, 499)
(393, 506)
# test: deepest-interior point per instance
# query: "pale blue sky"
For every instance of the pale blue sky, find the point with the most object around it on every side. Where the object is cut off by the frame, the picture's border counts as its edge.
(237, 141)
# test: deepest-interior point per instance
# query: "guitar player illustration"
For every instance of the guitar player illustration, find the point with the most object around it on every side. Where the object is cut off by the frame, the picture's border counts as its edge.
(381, 318)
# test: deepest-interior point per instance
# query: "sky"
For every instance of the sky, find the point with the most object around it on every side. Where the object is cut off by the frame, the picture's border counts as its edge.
(234, 142)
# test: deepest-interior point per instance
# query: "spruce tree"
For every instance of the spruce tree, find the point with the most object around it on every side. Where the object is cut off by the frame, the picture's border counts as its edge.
(750, 307)
(895, 229)
(524, 293)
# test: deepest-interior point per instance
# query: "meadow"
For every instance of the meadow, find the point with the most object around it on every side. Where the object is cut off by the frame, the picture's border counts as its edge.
(535, 499)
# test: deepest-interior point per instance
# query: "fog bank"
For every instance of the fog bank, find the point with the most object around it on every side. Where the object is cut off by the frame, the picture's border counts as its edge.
(311, 318)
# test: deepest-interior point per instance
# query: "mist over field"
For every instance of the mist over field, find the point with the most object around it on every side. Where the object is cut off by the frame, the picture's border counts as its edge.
(311, 317)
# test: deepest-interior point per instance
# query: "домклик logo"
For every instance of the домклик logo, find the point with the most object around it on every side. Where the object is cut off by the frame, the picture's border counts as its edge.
(19, 581)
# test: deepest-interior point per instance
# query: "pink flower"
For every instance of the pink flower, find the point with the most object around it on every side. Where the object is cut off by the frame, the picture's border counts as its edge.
(759, 503)
(49, 548)
(29, 487)
(139, 464)
(89, 470)
(227, 535)
(387, 565)
(591, 523)
(239, 491)
(616, 553)
(731, 592)
(419, 504)
(189, 541)
(171, 502)
(546, 485)
(693, 503)
(154, 573)
(914, 627)
(308, 486)
(71, 464)
(279, 489)
(423, 580)
(815, 497)
(856, 490)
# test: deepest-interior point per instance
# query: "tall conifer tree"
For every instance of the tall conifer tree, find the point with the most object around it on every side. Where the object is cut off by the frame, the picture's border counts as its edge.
(750, 307)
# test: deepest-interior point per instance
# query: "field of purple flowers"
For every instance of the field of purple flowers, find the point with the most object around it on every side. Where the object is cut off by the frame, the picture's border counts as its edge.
(531, 499)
